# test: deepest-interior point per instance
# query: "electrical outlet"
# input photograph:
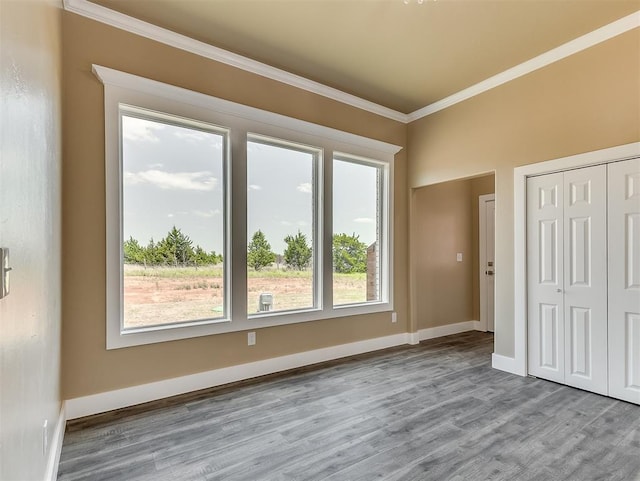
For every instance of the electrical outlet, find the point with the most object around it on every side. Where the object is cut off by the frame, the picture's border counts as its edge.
(251, 338)
(459, 257)
(45, 437)
(394, 317)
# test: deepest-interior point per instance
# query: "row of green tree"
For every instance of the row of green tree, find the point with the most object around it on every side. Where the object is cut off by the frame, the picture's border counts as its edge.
(177, 250)
(349, 253)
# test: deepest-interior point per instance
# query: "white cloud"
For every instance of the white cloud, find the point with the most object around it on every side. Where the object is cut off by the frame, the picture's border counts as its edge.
(169, 215)
(286, 222)
(305, 187)
(192, 135)
(140, 129)
(364, 220)
(302, 223)
(201, 181)
(206, 213)
(255, 187)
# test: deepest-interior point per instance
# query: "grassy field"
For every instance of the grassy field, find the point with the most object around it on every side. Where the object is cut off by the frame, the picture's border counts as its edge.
(160, 295)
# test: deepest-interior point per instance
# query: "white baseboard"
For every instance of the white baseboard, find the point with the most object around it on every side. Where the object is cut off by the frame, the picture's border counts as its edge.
(53, 456)
(448, 329)
(504, 363)
(110, 400)
(413, 338)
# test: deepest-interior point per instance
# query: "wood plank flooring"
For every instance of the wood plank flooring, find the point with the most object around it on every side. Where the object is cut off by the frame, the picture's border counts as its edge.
(436, 411)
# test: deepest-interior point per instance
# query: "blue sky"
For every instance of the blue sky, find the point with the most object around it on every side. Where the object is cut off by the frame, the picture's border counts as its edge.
(173, 176)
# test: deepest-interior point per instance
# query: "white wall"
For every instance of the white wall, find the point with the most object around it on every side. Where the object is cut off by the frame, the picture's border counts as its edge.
(30, 164)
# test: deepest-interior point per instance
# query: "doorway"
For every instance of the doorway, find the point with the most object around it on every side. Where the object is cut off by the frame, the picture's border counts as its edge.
(445, 255)
(486, 256)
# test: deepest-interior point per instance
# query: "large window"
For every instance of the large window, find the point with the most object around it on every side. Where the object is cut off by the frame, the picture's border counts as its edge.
(222, 217)
(282, 209)
(358, 230)
(173, 225)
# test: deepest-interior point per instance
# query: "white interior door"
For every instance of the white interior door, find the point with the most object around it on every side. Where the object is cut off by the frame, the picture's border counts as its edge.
(545, 240)
(585, 278)
(567, 277)
(624, 280)
(487, 220)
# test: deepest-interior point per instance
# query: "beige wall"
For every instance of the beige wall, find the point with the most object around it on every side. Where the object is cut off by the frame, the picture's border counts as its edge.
(30, 163)
(445, 222)
(586, 102)
(88, 367)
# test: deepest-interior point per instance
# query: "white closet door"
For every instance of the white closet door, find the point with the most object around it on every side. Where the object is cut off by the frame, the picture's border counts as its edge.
(545, 195)
(585, 278)
(624, 280)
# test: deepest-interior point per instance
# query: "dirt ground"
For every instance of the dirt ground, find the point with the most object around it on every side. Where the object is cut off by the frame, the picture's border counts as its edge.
(157, 299)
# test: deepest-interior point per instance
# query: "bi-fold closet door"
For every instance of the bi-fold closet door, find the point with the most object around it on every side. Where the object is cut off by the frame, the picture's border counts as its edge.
(567, 277)
(624, 280)
(583, 277)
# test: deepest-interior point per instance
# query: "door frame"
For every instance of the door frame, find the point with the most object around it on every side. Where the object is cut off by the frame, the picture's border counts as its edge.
(520, 174)
(482, 258)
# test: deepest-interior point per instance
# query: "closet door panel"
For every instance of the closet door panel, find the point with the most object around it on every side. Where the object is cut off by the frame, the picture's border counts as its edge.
(585, 280)
(545, 277)
(624, 280)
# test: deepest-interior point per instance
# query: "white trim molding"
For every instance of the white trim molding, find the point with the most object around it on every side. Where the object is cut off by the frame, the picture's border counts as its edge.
(413, 338)
(520, 175)
(55, 448)
(124, 92)
(130, 396)
(176, 40)
(448, 329)
(504, 363)
(108, 401)
(579, 44)
(125, 80)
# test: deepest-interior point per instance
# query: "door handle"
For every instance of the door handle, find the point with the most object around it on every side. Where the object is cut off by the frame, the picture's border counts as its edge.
(558, 290)
(489, 273)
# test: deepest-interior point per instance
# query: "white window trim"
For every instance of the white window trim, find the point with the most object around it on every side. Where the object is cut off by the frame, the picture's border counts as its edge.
(386, 265)
(124, 88)
(317, 214)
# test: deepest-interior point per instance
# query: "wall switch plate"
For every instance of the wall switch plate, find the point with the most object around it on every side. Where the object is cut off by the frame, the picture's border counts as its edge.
(394, 317)
(4, 272)
(459, 257)
(251, 338)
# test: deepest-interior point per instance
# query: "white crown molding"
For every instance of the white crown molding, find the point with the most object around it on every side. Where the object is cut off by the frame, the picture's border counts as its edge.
(574, 46)
(162, 35)
(173, 39)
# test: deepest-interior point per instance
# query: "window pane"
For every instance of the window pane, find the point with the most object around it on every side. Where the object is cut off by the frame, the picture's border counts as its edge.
(356, 232)
(280, 227)
(173, 221)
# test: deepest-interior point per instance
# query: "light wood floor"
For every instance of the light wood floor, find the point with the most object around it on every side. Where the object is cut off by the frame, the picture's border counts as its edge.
(436, 411)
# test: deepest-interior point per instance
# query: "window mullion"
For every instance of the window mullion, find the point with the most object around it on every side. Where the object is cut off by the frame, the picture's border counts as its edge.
(238, 215)
(327, 233)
